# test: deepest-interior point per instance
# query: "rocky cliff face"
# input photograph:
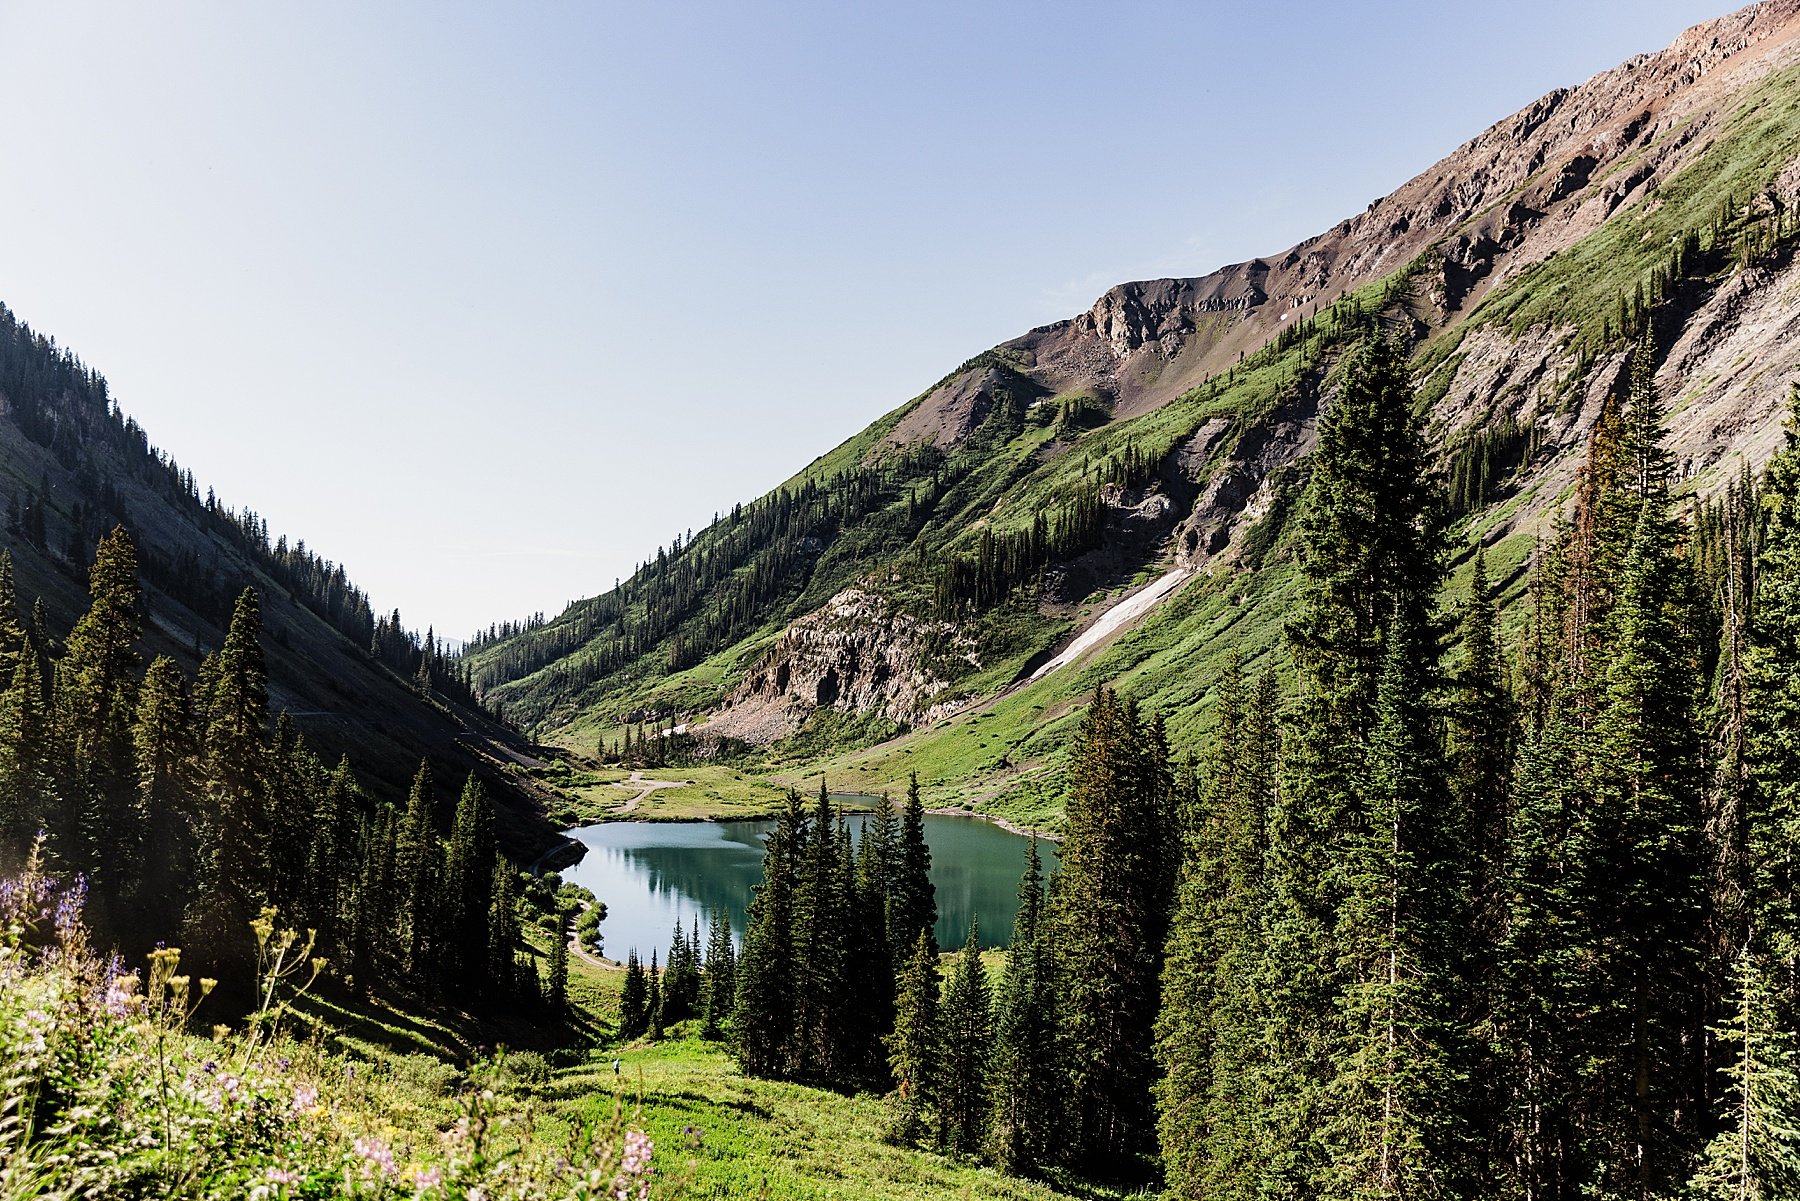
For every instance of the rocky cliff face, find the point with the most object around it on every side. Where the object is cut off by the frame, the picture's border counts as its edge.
(859, 654)
(1527, 187)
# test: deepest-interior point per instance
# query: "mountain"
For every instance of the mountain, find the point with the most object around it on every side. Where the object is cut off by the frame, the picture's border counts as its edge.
(933, 594)
(73, 465)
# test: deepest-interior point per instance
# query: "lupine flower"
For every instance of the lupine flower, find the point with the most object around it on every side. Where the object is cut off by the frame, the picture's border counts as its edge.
(376, 1155)
(305, 1098)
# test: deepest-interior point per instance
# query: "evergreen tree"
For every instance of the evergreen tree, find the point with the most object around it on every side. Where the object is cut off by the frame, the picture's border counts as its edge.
(653, 1001)
(721, 976)
(97, 699)
(163, 739)
(634, 999)
(1756, 1154)
(1108, 913)
(963, 1072)
(767, 975)
(1026, 1076)
(1371, 558)
(12, 634)
(468, 876)
(416, 864)
(234, 840)
(913, 1044)
(822, 923)
(503, 932)
(27, 765)
(914, 899)
(556, 982)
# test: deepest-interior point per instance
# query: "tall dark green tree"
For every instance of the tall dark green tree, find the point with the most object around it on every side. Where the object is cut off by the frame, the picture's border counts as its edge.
(1108, 914)
(234, 839)
(913, 1045)
(1027, 1075)
(468, 880)
(767, 975)
(97, 700)
(416, 863)
(963, 1071)
(914, 899)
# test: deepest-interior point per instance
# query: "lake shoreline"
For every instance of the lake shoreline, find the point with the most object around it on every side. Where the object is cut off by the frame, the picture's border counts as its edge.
(677, 819)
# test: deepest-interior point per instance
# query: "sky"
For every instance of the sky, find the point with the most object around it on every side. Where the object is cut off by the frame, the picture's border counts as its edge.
(488, 301)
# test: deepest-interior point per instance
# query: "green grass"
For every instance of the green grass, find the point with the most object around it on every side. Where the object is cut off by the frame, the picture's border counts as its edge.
(727, 1135)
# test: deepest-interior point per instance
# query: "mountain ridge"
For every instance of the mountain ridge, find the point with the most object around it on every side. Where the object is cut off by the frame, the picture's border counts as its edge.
(1170, 421)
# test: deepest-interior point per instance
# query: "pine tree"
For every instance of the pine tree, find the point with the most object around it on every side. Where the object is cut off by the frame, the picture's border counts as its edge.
(913, 1044)
(331, 859)
(822, 923)
(12, 634)
(914, 904)
(468, 876)
(634, 999)
(1108, 914)
(721, 976)
(1026, 1077)
(234, 840)
(767, 975)
(963, 1071)
(416, 863)
(503, 931)
(1393, 1122)
(1208, 1030)
(97, 701)
(556, 982)
(165, 747)
(27, 765)
(1371, 558)
(653, 1002)
(1756, 1154)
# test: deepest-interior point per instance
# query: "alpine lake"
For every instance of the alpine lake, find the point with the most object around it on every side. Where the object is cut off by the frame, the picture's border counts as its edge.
(652, 875)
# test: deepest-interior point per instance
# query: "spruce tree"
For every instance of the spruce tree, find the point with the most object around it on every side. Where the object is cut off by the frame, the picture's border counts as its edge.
(164, 743)
(963, 1072)
(12, 633)
(27, 762)
(634, 999)
(720, 988)
(913, 1047)
(914, 904)
(97, 701)
(822, 923)
(767, 975)
(1108, 914)
(417, 867)
(556, 981)
(468, 881)
(1756, 1154)
(1371, 556)
(235, 836)
(1026, 1078)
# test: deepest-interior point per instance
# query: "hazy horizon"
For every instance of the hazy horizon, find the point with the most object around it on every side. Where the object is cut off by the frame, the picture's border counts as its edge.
(486, 306)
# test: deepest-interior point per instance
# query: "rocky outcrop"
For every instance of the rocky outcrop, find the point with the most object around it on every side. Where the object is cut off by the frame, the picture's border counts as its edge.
(1527, 187)
(859, 654)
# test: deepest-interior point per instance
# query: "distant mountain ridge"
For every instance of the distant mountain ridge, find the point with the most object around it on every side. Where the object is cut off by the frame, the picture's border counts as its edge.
(1168, 427)
(73, 465)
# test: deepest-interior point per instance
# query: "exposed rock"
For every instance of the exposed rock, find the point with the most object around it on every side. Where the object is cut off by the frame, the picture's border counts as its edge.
(859, 654)
(1527, 187)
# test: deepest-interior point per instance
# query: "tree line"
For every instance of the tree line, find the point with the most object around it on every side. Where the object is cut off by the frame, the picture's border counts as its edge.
(186, 810)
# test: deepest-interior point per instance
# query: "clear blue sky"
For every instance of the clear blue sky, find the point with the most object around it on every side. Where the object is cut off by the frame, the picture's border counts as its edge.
(486, 302)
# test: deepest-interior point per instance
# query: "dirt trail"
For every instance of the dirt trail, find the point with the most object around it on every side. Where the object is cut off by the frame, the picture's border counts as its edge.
(587, 956)
(645, 788)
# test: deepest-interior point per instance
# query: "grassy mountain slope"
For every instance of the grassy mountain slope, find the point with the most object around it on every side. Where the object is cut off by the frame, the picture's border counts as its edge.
(72, 466)
(1659, 196)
